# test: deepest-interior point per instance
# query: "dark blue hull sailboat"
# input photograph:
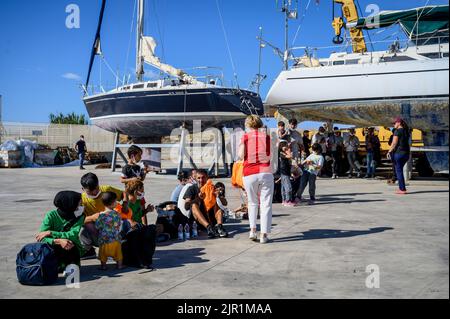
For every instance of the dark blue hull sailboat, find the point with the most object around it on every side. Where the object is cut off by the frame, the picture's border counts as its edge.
(155, 108)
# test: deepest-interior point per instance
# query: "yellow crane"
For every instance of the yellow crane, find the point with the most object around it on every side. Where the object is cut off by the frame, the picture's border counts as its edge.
(350, 13)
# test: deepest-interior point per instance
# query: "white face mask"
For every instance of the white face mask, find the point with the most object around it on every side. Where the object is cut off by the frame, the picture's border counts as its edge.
(79, 211)
(140, 196)
(93, 197)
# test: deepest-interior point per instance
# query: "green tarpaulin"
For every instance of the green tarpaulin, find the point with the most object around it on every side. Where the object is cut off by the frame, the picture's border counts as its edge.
(416, 22)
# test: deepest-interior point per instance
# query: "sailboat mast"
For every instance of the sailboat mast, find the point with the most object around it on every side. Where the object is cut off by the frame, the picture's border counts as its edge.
(287, 7)
(286, 35)
(139, 35)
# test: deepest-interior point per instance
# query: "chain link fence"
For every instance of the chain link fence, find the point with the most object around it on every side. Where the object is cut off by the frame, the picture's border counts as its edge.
(58, 135)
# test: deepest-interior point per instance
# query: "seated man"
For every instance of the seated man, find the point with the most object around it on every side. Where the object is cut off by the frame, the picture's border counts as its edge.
(183, 179)
(200, 199)
(92, 202)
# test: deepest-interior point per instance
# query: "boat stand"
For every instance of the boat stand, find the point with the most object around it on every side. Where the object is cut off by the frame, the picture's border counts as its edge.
(219, 152)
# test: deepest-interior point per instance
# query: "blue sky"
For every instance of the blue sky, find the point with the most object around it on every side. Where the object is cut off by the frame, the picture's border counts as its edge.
(42, 62)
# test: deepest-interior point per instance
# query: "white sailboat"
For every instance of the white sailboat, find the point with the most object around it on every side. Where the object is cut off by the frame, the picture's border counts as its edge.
(372, 88)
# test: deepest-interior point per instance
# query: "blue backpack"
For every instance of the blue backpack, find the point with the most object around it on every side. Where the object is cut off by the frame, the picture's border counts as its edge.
(37, 265)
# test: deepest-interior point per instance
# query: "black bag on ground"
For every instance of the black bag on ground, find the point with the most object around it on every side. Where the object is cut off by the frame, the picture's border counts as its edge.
(37, 265)
(139, 247)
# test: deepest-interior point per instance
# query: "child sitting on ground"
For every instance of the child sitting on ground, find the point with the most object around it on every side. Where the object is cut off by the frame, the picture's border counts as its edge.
(133, 171)
(139, 246)
(312, 166)
(108, 226)
(138, 212)
(221, 200)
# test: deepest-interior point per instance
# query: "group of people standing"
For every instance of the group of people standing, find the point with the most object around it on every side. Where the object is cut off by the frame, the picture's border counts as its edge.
(329, 153)
(344, 152)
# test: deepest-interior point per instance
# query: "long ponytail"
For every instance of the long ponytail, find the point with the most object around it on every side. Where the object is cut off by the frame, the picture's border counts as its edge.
(406, 128)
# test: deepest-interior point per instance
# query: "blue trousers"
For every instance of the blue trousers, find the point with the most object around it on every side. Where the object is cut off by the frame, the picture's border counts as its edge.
(308, 179)
(370, 164)
(286, 188)
(400, 160)
(81, 157)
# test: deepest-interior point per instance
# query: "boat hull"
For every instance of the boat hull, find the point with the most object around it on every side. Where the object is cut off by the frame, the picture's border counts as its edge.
(422, 113)
(157, 112)
(370, 94)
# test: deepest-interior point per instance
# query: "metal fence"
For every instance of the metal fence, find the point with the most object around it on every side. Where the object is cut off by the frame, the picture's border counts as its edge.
(58, 135)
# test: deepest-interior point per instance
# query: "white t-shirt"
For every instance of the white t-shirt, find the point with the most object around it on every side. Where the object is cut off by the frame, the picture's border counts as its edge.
(317, 160)
(321, 139)
(182, 201)
(296, 140)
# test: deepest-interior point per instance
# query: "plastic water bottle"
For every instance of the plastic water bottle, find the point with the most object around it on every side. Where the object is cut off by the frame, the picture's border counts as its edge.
(194, 230)
(180, 232)
(187, 234)
(171, 213)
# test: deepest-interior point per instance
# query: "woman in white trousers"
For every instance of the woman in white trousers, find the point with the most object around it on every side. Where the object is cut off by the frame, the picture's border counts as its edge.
(258, 177)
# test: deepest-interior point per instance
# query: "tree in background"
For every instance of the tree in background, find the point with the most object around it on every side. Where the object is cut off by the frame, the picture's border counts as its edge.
(71, 118)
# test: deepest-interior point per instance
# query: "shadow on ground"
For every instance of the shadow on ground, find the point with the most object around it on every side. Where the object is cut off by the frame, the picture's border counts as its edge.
(426, 192)
(331, 233)
(349, 194)
(331, 200)
(162, 259)
(178, 257)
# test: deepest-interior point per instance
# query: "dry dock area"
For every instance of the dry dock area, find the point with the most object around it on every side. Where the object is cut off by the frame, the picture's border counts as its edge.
(319, 251)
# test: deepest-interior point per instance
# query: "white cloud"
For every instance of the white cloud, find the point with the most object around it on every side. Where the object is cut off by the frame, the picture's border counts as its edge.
(71, 76)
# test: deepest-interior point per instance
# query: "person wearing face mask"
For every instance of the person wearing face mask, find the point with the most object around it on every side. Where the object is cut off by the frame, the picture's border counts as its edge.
(93, 206)
(134, 171)
(61, 227)
(140, 241)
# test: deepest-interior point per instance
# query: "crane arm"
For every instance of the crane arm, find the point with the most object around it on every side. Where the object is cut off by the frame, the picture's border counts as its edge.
(350, 13)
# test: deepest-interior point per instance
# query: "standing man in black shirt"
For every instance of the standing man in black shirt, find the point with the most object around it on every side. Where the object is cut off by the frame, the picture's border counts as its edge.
(81, 149)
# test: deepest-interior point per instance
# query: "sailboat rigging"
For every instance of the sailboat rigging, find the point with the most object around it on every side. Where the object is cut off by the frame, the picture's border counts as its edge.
(155, 108)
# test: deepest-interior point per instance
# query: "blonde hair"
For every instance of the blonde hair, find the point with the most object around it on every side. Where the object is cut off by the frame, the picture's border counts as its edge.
(253, 122)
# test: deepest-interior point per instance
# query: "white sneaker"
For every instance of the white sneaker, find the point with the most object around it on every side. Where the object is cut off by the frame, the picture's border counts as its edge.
(264, 239)
(253, 236)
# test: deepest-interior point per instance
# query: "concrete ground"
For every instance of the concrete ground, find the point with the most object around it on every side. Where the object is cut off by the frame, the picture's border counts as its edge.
(319, 251)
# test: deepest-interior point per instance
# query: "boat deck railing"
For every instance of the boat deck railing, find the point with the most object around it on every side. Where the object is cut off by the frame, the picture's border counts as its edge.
(206, 75)
(390, 45)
